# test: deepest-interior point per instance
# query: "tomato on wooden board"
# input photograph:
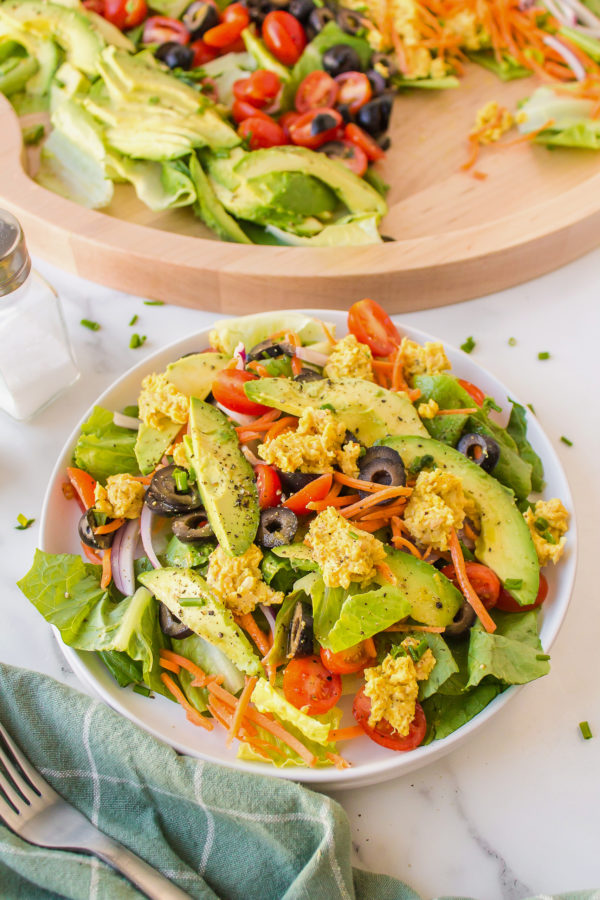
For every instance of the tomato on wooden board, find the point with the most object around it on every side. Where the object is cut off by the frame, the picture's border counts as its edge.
(308, 130)
(316, 90)
(85, 487)
(485, 583)
(160, 29)
(259, 89)
(354, 659)
(241, 110)
(317, 489)
(354, 90)
(268, 483)
(235, 19)
(261, 132)
(372, 326)
(361, 139)
(508, 604)
(307, 683)
(383, 733)
(284, 36)
(228, 389)
(202, 53)
(473, 391)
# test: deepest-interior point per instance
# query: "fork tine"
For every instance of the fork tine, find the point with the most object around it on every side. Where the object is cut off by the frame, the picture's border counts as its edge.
(8, 788)
(8, 815)
(33, 786)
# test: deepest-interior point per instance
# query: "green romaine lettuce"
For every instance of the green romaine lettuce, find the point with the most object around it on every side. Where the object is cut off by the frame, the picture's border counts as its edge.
(282, 756)
(280, 572)
(446, 713)
(122, 668)
(268, 699)
(513, 654)
(517, 429)
(571, 116)
(508, 69)
(212, 661)
(104, 448)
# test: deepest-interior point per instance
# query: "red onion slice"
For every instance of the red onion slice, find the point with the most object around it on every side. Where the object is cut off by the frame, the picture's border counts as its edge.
(122, 556)
(240, 355)
(568, 56)
(146, 535)
(250, 456)
(312, 356)
(240, 418)
(269, 616)
(115, 559)
(124, 421)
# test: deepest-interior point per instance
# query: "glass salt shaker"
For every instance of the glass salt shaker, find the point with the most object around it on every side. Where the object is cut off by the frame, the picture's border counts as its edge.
(36, 357)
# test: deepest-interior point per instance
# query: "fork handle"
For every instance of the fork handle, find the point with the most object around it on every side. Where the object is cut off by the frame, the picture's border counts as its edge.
(142, 875)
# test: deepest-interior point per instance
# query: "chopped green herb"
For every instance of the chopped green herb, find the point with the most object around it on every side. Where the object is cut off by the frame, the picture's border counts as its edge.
(33, 135)
(153, 100)
(133, 411)
(543, 354)
(137, 340)
(585, 729)
(422, 462)
(142, 689)
(154, 302)
(542, 656)
(417, 652)
(566, 440)
(468, 345)
(181, 480)
(513, 584)
(134, 319)
(512, 342)
(546, 536)
(354, 535)
(541, 523)
(191, 601)
(397, 650)
(24, 522)
(530, 406)
(328, 406)
(88, 323)
(490, 403)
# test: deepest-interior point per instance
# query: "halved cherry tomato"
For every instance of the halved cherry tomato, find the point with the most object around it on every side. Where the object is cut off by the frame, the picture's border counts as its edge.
(84, 485)
(288, 119)
(471, 389)
(307, 683)
(242, 110)
(486, 583)
(269, 486)
(228, 389)
(259, 89)
(383, 733)
(307, 131)
(354, 659)
(160, 29)
(316, 90)
(354, 90)
(235, 19)
(316, 489)
(349, 155)
(284, 36)
(372, 326)
(125, 13)
(262, 131)
(202, 53)
(361, 139)
(508, 604)
(96, 6)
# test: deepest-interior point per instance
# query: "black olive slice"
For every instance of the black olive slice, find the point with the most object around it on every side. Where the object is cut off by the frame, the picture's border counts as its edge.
(295, 481)
(382, 468)
(349, 21)
(301, 9)
(489, 450)
(164, 499)
(339, 58)
(175, 55)
(171, 625)
(462, 621)
(199, 17)
(86, 526)
(374, 116)
(191, 527)
(270, 348)
(278, 526)
(308, 375)
(300, 634)
(317, 20)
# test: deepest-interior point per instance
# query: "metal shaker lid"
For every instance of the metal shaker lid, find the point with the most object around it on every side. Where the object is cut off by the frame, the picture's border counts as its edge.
(15, 263)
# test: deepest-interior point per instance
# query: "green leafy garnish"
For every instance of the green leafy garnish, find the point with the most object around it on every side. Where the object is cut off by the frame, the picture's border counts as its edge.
(586, 731)
(468, 345)
(566, 440)
(104, 448)
(137, 341)
(24, 522)
(134, 319)
(154, 302)
(543, 354)
(89, 323)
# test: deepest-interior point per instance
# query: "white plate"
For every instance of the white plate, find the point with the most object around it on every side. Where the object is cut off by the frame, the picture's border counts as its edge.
(165, 720)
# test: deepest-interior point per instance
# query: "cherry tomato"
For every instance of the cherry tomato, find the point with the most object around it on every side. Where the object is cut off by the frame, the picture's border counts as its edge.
(477, 394)
(228, 389)
(288, 119)
(235, 19)
(262, 131)
(259, 89)
(202, 53)
(354, 90)
(372, 326)
(96, 6)
(383, 733)
(269, 486)
(242, 110)
(284, 36)
(307, 131)
(361, 139)
(160, 29)
(354, 659)
(316, 90)
(316, 489)
(486, 583)
(84, 486)
(349, 155)
(508, 604)
(307, 683)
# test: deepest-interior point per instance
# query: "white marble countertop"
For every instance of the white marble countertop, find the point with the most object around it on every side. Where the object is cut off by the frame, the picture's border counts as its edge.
(515, 810)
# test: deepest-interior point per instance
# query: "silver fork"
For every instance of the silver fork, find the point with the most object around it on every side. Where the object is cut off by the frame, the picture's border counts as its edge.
(34, 811)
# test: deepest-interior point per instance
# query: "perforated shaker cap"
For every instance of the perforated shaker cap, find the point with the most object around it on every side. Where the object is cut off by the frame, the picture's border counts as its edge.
(15, 263)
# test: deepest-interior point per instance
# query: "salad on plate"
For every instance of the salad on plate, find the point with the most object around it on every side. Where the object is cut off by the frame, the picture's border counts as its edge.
(307, 540)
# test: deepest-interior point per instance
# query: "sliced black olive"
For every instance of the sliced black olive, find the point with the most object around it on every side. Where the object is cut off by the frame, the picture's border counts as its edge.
(171, 625)
(87, 523)
(340, 58)
(377, 81)
(300, 634)
(350, 438)
(301, 9)
(270, 348)
(322, 122)
(295, 481)
(258, 10)
(387, 239)
(462, 621)
(338, 150)
(382, 469)
(349, 21)
(344, 111)
(308, 375)
(374, 116)
(192, 527)
(378, 452)
(278, 526)
(317, 20)
(175, 55)
(385, 142)
(384, 65)
(164, 499)
(489, 450)
(199, 17)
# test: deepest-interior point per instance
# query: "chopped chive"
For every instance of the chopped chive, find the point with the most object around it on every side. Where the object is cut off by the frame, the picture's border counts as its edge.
(33, 135)
(530, 406)
(328, 406)
(136, 340)
(490, 403)
(543, 354)
(153, 100)
(585, 729)
(142, 689)
(566, 440)
(513, 584)
(546, 536)
(181, 480)
(421, 462)
(542, 656)
(88, 323)
(24, 522)
(354, 535)
(134, 319)
(154, 302)
(417, 652)
(397, 651)
(133, 411)
(512, 342)
(468, 345)
(191, 601)
(541, 524)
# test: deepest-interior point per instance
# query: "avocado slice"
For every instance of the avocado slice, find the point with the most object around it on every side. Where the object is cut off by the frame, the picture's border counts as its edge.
(212, 212)
(225, 478)
(433, 598)
(369, 411)
(504, 543)
(209, 618)
(152, 443)
(44, 52)
(194, 375)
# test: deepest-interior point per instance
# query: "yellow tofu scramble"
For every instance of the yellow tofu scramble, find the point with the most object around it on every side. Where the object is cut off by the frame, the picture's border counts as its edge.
(393, 688)
(343, 552)
(315, 447)
(160, 402)
(238, 580)
(428, 410)
(123, 497)
(429, 359)
(492, 122)
(350, 357)
(548, 523)
(436, 506)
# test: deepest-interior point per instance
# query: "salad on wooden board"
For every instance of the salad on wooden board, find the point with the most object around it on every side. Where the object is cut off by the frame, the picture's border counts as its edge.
(286, 517)
(268, 117)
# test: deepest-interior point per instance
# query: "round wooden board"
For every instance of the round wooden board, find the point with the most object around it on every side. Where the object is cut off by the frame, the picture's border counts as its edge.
(455, 237)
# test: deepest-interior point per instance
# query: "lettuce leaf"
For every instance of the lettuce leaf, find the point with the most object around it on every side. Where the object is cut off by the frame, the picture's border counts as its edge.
(517, 428)
(312, 55)
(513, 654)
(508, 69)
(282, 756)
(104, 448)
(212, 661)
(124, 670)
(445, 713)
(188, 556)
(268, 699)
(281, 572)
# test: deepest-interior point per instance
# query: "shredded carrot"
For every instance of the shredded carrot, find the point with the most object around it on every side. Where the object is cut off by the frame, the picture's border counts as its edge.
(398, 539)
(345, 734)
(284, 424)
(68, 490)
(320, 505)
(110, 526)
(258, 368)
(386, 573)
(295, 341)
(357, 483)
(259, 637)
(245, 437)
(370, 647)
(170, 666)
(328, 332)
(261, 424)
(370, 526)
(185, 663)
(374, 499)
(385, 512)
(469, 532)
(403, 626)
(93, 557)
(530, 136)
(106, 568)
(338, 761)
(466, 586)
(241, 708)
(191, 713)
(463, 411)
(146, 479)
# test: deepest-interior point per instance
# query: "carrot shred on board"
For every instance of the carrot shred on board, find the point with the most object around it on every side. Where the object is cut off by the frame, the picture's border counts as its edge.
(241, 708)
(93, 557)
(345, 734)
(525, 138)
(110, 526)
(428, 629)
(466, 586)
(258, 636)
(191, 714)
(106, 568)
